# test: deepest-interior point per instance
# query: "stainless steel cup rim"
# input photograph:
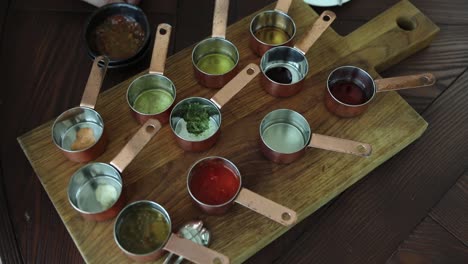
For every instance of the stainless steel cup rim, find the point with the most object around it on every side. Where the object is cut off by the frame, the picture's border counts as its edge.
(152, 75)
(67, 112)
(224, 41)
(231, 164)
(276, 12)
(374, 88)
(126, 209)
(179, 104)
(264, 68)
(82, 169)
(292, 112)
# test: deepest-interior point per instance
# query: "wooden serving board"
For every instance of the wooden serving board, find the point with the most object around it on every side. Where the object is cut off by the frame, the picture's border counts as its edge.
(159, 172)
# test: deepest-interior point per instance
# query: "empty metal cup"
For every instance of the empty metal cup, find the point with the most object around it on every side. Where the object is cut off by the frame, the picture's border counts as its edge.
(350, 89)
(79, 132)
(152, 95)
(171, 243)
(96, 190)
(215, 59)
(284, 68)
(272, 28)
(179, 120)
(286, 134)
(214, 184)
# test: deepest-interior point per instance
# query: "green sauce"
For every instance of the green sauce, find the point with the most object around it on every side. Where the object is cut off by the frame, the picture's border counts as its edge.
(272, 35)
(216, 64)
(143, 230)
(153, 101)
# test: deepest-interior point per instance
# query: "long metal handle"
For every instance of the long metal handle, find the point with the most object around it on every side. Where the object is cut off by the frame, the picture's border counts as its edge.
(266, 207)
(283, 5)
(136, 144)
(235, 85)
(405, 82)
(320, 25)
(193, 251)
(161, 45)
(94, 83)
(340, 145)
(220, 18)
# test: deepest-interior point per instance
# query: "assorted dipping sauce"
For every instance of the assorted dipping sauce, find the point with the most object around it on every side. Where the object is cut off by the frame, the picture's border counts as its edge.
(142, 229)
(272, 35)
(348, 92)
(153, 101)
(212, 182)
(98, 194)
(216, 64)
(118, 37)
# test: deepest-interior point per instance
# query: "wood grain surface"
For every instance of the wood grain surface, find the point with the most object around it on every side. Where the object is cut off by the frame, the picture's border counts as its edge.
(304, 186)
(430, 243)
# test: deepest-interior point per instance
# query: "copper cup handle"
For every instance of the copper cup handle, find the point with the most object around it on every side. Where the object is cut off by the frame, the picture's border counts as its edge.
(136, 144)
(266, 207)
(235, 85)
(220, 18)
(161, 45)
(194, 252)
(283, 5)
(340, 145)
(405, 82)
(94, 83)
(320, 25)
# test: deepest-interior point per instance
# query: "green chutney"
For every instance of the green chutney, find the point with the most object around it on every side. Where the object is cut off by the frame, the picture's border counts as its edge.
(216, 63)
(153, 101)
(143, 230)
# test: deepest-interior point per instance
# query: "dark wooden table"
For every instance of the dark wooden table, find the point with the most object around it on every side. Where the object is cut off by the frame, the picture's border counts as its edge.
(412, 209)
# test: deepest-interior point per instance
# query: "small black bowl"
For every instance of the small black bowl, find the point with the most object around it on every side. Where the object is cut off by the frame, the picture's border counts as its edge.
(100, 14)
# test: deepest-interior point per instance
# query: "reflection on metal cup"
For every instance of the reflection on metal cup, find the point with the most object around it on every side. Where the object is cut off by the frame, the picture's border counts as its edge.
(286, 134)
(95, 191)
(68, 127)
(284, 70)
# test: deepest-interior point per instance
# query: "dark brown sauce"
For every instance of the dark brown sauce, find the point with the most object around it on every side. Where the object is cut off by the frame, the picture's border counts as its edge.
(348, 93)
(118, 37)
(279, 75)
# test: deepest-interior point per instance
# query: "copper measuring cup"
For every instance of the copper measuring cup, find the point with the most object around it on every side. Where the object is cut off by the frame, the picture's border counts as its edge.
(243, 196)
(91, 187)
(215, 59)
(203, 141)
(79, 132)
(172, 243)
(272, 28)
(284, 68)
(161, 89)
(350, 89)
(285, 135)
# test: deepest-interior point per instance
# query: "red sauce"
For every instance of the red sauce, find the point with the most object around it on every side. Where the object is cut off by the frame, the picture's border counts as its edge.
(213, 183)
(348, 93)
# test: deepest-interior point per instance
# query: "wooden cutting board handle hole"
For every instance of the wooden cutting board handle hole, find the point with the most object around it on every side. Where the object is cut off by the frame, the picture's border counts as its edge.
(406, 23)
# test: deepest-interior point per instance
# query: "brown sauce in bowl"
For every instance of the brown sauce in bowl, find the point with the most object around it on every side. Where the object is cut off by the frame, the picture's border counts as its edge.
(118, 37)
